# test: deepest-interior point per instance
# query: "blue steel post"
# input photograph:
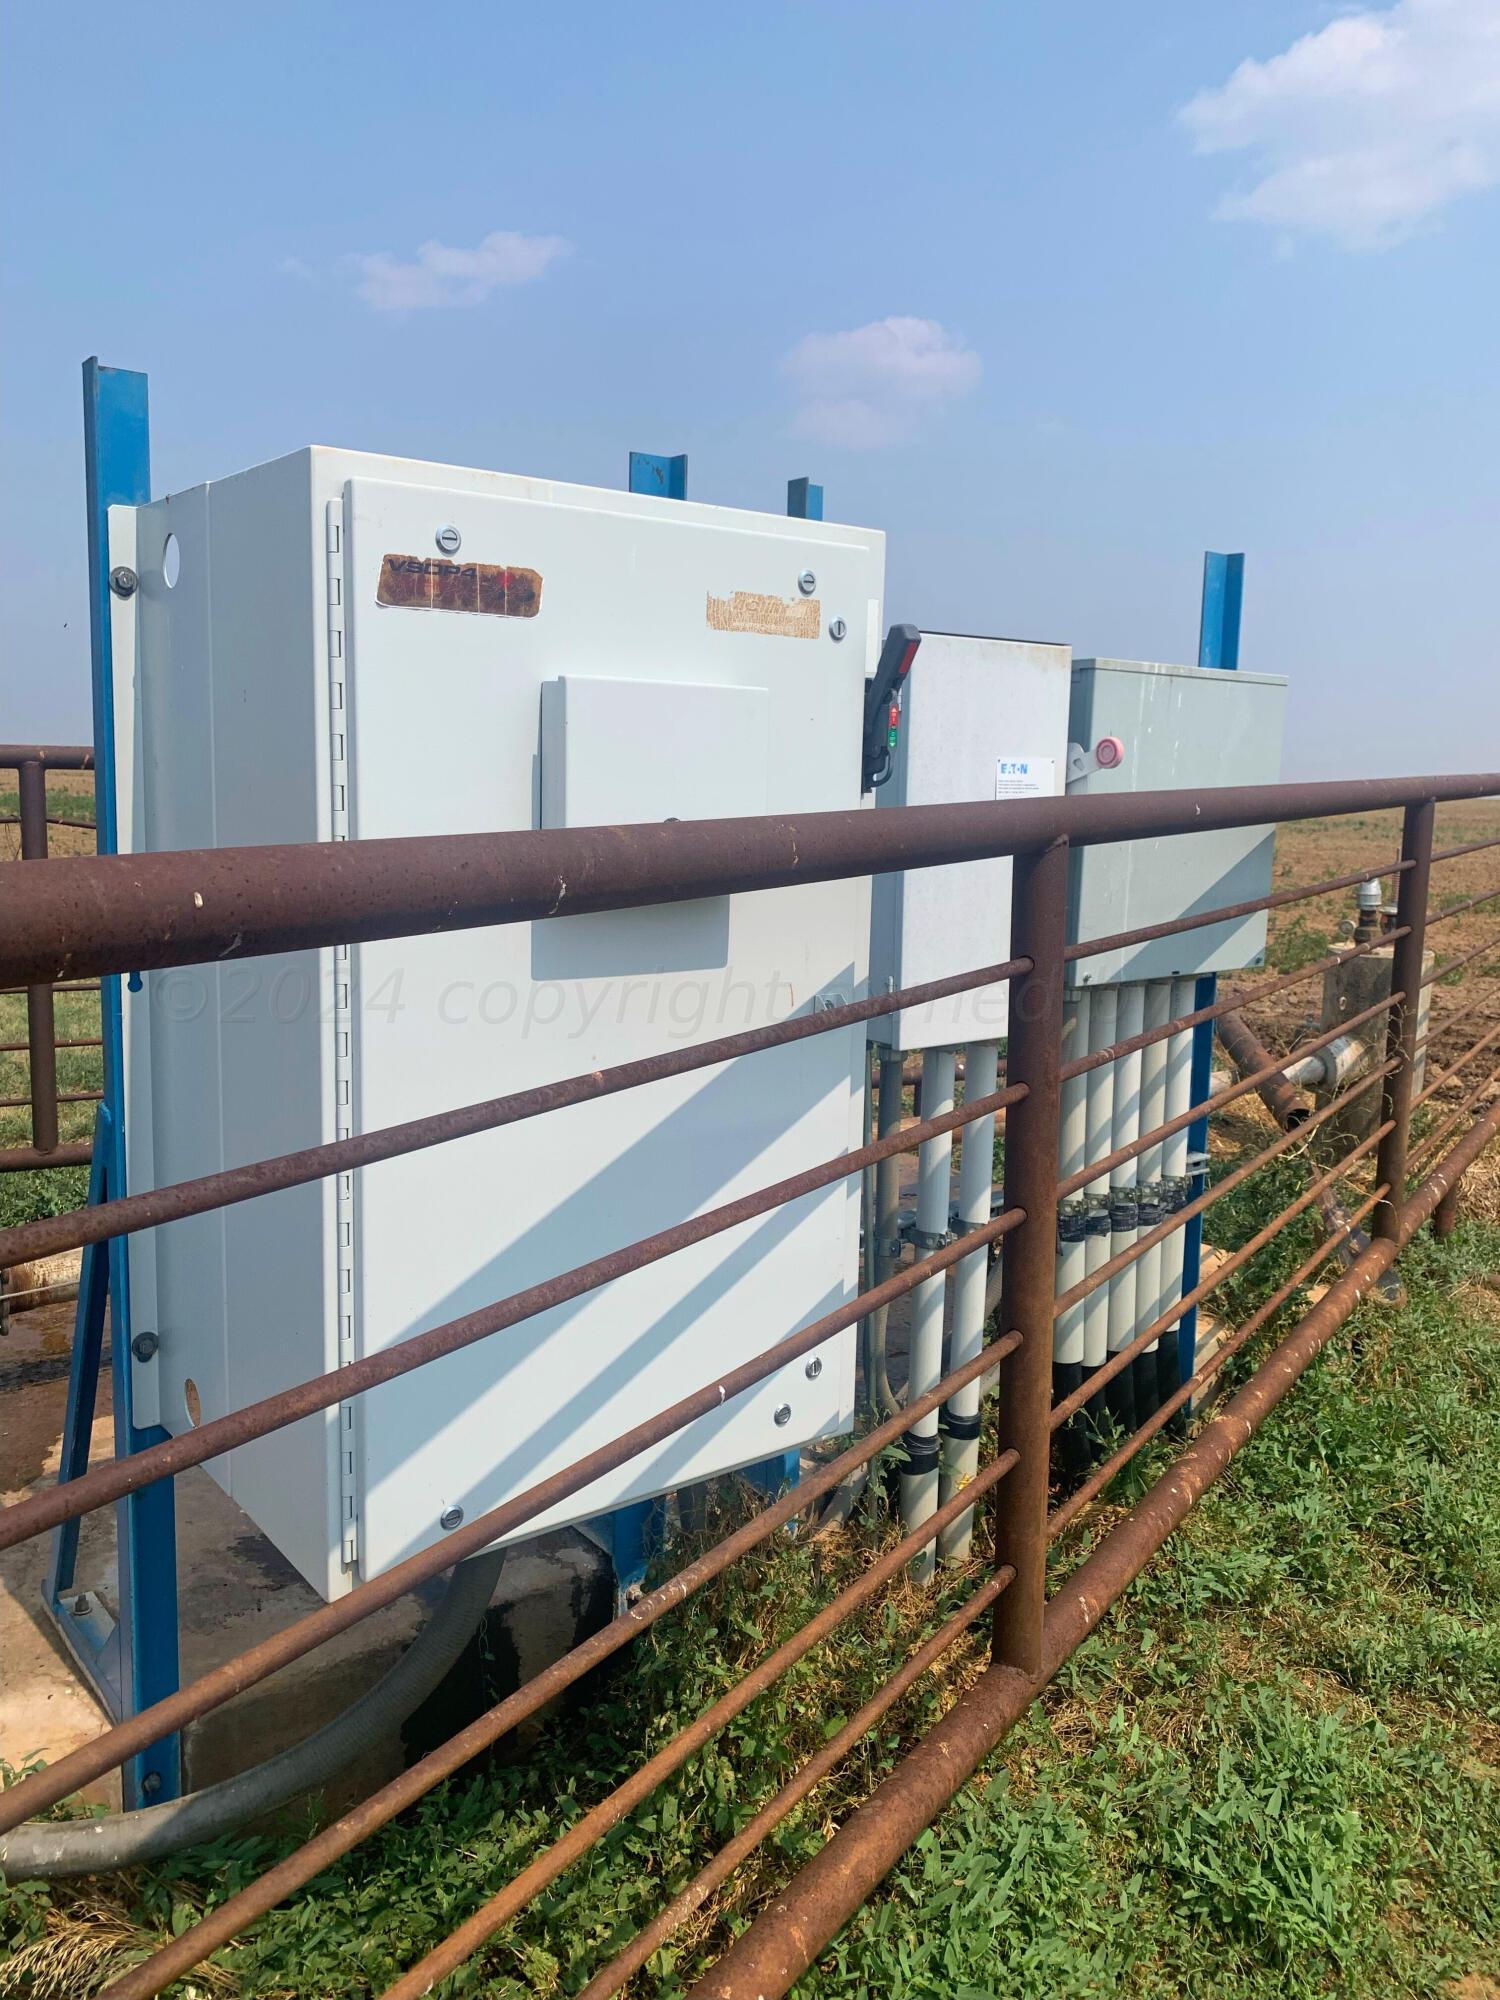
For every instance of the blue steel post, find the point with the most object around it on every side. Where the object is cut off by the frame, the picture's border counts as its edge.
(1218, 646)
(142, 1665)
(655, 472)
(804, 500)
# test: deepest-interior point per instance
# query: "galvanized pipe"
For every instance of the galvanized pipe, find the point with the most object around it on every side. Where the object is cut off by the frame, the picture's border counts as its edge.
(1099, 1121)
(1171, 1226)
(1171, 1364)
(919, 1474)
(1225, 1004)
(1064, 1516)
(1151, 1193)
(1220, 1098)
(1072, 1214)
(960, 1419)
(1233, 1262)
(1124, 1208)
(887, 1230)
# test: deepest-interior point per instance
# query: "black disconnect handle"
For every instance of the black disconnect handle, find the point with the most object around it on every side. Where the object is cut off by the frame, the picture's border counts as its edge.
(881, 690)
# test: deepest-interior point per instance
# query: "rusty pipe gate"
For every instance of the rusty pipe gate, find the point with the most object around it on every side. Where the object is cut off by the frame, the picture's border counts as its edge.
(87, 918)
(31, 762)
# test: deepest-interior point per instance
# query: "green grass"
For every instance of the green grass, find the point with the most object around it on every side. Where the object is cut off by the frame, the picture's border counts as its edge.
(1273, 1773)
(65, 804)
(50, 1190)
(1297, 943)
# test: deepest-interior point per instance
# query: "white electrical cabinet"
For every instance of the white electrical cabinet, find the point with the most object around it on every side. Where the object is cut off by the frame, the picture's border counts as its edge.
(1177, 728)
(980, 719)
(338, 646)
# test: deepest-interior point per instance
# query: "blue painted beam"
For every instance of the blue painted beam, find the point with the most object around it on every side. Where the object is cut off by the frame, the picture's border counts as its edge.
(804, 500)
(1218, 647)
(117, 468)
(654, 472)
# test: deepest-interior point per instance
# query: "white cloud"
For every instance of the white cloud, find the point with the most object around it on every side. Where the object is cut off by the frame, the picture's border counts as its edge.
(440, 275)
(870, 385)
(1366, 128)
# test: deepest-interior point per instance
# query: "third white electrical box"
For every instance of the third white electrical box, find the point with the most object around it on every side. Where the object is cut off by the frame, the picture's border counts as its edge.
(1179, 728)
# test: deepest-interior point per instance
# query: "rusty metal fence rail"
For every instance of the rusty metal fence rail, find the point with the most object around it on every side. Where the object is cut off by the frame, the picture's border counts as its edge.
(31, 762)
(83, 919)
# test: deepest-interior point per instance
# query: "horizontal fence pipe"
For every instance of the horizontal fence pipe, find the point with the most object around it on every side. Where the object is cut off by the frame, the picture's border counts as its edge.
(137, 912)
(1441, 970)
(476, 1930)
(1431, 1141)
(56, 756)
(119, 1476)
(1436, 1083)
(52, 819)
(24, 1048)
(125, 1739)
(58, 1097)
(1162, 1230)
(50, 1234)
(1468, 847)
(1074, 1182)
(26, 1159)
(1232, 1003)
(247, 1905)
(610, 1978)
(790, 1932)
(1064, 1516)
(1205, 1287)
(58, 986)
(1174, 926)
(1459, 909)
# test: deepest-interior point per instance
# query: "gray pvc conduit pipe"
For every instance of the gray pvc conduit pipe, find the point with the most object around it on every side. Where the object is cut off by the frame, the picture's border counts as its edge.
(46, 1850)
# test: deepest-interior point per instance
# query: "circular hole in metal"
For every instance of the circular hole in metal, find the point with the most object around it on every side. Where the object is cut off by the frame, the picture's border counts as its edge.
(192, 1402)
(171, 562)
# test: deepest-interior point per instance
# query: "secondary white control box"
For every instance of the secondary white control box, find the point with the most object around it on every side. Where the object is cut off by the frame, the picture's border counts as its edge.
(980, 719)
(1177, 728)
(338, 646)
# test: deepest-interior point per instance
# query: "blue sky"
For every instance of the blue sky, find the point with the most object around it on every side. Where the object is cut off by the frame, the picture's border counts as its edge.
(1057, 294)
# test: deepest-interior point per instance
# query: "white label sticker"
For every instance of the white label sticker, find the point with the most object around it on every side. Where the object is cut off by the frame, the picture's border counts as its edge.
(1025, 777)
